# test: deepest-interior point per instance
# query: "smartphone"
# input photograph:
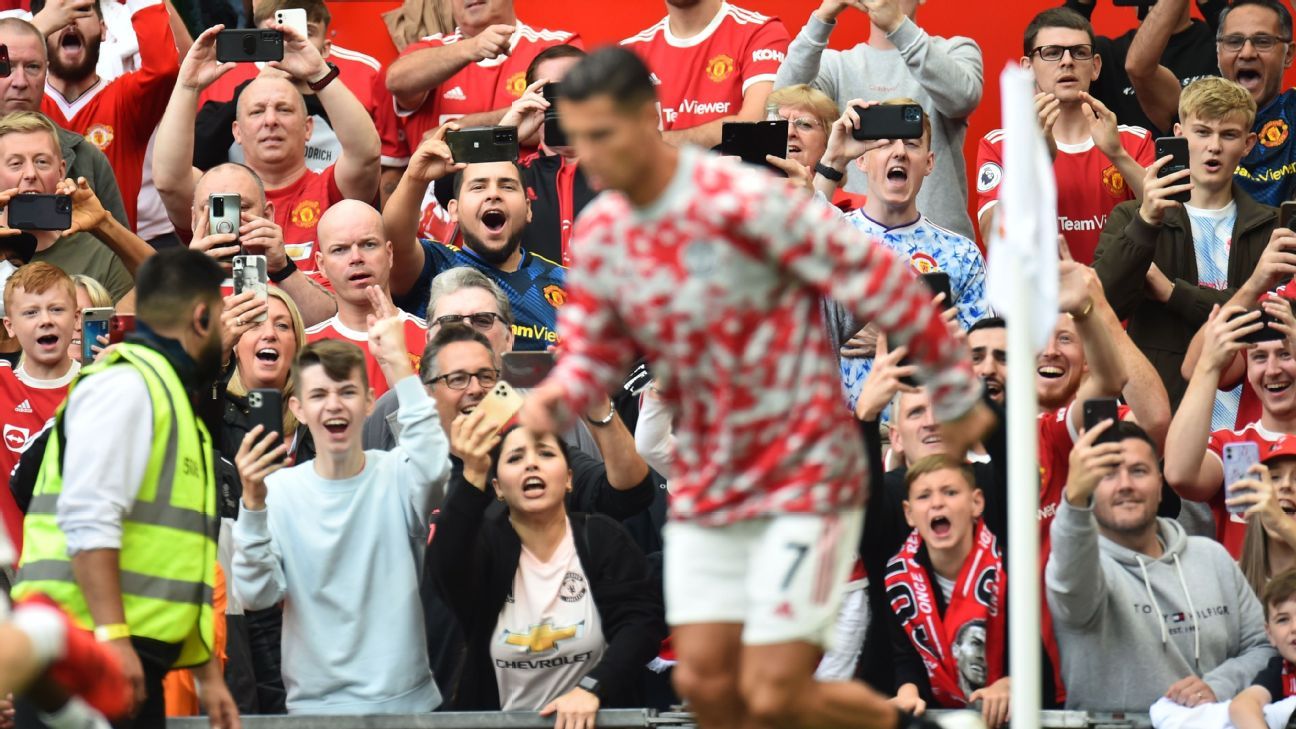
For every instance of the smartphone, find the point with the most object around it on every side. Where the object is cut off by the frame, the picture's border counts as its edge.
(1177, 147)
(247, 45)
(119, 325)
(1287, 215)
(223, 215)
(527, 369)
(265, 408)
(890, 121)
(1238, 459)
(294, 18)
(5, 68)
(939, 283)
(1265, 333)
(1096, 411)
(40, 212)
(250, 275)
(501, 404)
(483, 144)
(752, 141)
(554, 136)
(94, 324)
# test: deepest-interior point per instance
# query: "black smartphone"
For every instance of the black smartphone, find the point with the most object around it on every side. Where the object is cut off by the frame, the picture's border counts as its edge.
(1177, 147)
(554, 136)
(265, 408)
(890, 121)
(751, 141)
(939, 283)
(1098, 410)
(247, 45)
(5, 68)
(40, 212)
(1287, 214)
(483, 144)
(527, 369)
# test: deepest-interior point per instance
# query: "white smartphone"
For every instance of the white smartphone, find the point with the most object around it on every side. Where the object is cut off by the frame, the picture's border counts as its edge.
(294, 18)
(1238, 460)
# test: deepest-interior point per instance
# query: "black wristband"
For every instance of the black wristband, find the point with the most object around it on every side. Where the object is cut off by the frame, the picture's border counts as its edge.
(283, 273)
(828, 173)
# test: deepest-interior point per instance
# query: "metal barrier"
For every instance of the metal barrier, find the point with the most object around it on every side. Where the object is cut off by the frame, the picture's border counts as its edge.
(610, 719)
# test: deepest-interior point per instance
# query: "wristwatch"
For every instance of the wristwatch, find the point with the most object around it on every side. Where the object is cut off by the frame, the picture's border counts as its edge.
(828, 173)
(592, 685)
(327, 79)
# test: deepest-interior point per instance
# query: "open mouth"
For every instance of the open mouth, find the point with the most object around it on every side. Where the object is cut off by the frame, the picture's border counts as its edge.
(47, 340)
(335, 426)
(1249, 78)
(941, 526)
(533, 486)
(1050, 372)
(1212, 166)
(794, 149)
(1277, 388)
(932, 438)
(360, 277)
(267, 354)
(71, 40)
(494, 220)
(993, 386)
(1067, 79)
(1288, 506)
(897, 174)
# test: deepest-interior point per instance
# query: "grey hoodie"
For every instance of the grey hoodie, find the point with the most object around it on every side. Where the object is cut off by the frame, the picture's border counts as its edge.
(1129, 626)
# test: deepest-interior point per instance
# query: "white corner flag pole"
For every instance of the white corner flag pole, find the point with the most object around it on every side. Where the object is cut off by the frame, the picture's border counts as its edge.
(1023, 288)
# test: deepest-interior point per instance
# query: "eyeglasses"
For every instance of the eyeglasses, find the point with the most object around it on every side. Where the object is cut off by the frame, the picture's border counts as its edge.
(459, 380)
(801, 123)
(1082, 52)
(482, 320)
(1262, 42)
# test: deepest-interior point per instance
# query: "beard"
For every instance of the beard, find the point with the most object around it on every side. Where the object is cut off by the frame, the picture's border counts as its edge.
(78, 72)
(493, 256)
(207, 365)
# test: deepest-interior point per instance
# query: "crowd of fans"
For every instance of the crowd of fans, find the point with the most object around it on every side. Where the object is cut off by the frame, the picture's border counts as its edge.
(413, 559)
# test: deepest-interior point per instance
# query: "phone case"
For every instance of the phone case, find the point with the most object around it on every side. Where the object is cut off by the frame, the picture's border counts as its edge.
(501, 404)
(293, 18)
(94, 324)
(752, 141)
(40, 212)
(889, 121)
(1095, 412)
(483, 144)
(1177, 146)
(1238, 459)
(243, 45)
(249, 274)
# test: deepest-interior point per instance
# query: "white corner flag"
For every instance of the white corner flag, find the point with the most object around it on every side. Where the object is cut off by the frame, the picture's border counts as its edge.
(1023, 288)
(1023, 243)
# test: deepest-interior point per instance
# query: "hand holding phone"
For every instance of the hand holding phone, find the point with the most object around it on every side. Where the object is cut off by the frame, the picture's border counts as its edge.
(554, 136)
(249, 45)
(94, 324)
(1177, 149)
(500, 405)
(265, 408)
(40, 212)
(483, 144)
(889, 121)
(1099, 410)
(250, 274)
(294, 18)
(752, 141)
(1238, 459)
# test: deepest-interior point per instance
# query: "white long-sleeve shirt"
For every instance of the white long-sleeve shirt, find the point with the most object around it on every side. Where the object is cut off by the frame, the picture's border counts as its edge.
(346, 557)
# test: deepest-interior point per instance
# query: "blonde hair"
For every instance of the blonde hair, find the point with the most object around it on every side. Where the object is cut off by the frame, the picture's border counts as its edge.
(1214, 98)
(95, 291)
(905, 100)
(28, 122)
(821, 106)
(236, 385)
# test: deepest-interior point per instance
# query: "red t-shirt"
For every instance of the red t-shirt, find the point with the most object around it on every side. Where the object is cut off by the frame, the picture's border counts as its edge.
(415, 340)
(1230, 529)
(26, 406)
(704, 77)
(355, 70)
(478, 87)
(1089, 185)
(297, 208)
(119, 116)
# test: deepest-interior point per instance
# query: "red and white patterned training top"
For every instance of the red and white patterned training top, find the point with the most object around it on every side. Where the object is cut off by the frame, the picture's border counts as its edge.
(719, 282)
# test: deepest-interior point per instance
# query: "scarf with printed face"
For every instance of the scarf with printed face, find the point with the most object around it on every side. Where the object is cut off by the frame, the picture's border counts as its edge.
(962, 650)
(1288, 680)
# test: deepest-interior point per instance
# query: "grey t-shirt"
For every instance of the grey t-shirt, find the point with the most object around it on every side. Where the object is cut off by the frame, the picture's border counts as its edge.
(84, 254)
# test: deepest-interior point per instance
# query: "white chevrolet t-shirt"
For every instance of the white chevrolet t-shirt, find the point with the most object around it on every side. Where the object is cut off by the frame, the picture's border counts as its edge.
(549, 634)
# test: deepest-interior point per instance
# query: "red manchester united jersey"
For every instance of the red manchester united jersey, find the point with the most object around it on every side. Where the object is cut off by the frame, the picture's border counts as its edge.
(26, 405)
(1230, 529)
(1088, 184)
(119, 116)
(298, 208)
(415, 340)
(704, 77)
(476, 88)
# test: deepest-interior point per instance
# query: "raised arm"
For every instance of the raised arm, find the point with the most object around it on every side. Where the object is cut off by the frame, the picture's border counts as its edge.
(430, 162)
(803, 64)
(1081, 295)
(1155, 86)
(425, 66)
(89, 216)
(258, 577)
(356, 169)
(952, 75)
(173, 171)
(1192, 471)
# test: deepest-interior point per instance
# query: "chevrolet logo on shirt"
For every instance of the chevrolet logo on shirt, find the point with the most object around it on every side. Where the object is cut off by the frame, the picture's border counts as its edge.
(542, 638)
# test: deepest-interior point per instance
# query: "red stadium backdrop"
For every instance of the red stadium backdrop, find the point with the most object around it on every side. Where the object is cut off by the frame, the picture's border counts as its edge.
(996, 26)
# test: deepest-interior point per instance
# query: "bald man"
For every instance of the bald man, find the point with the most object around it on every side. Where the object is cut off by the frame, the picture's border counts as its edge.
(354, 254)
(259, 235)
(272, 126)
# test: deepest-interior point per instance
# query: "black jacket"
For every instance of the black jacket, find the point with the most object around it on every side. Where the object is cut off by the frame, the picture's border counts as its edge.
(474, 558)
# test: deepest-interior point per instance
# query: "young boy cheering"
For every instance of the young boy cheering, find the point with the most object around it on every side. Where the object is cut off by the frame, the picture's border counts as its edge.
(1278, 679)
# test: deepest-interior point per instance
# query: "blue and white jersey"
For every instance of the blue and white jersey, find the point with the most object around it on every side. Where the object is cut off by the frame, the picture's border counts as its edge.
(929, 248)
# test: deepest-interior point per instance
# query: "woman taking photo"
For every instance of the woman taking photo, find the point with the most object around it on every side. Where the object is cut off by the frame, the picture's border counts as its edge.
(1269, 498)
(559, 609)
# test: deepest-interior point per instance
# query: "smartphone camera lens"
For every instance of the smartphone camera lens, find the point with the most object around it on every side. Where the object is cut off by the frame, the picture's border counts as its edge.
(254, 399)
(504, 136)
(913, 114)
(63, 205)
(270, 36)
(249, 44)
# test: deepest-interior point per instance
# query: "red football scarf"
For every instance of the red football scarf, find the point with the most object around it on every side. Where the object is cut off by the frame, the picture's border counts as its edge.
(1288, 681)
(979, 595)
